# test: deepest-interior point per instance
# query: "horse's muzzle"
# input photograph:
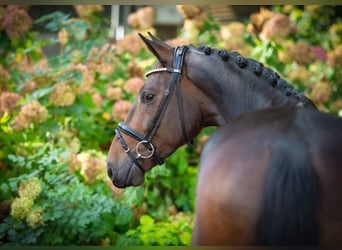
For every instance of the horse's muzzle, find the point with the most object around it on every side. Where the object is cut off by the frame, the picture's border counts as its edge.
(128, 175)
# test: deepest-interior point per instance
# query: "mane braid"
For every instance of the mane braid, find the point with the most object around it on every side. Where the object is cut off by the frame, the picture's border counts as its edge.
(258, 69)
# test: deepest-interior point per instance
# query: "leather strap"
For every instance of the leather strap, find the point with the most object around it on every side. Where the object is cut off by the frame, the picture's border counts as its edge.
(174, 82)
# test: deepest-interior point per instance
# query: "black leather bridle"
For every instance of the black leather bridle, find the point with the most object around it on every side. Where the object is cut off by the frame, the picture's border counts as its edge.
(145, 141)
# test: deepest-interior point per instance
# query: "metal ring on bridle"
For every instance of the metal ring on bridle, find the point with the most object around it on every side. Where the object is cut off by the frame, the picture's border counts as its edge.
(148, 145)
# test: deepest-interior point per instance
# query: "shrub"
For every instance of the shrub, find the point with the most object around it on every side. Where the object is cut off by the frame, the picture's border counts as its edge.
(58, 113)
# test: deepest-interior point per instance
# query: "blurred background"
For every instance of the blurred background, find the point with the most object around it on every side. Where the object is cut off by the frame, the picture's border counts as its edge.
(69, 74)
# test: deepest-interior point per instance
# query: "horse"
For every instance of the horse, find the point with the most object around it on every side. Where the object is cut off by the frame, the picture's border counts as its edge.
(271, 173)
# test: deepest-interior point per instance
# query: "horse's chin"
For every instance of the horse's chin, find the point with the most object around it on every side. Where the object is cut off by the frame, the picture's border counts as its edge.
(137, 177)
(122, 177)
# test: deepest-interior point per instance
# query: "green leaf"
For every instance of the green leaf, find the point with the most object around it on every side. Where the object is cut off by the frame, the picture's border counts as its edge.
(4, 227)
(134, 195)
(5, 118)
(5, 190)
(185, 238)
(123, 215)
(54, 20)
(146, 220)
(41, 92)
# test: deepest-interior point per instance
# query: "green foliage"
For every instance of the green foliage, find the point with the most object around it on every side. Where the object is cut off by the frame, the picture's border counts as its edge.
(55, 134)
(322, 17)
(174, 232)
(170, 187)
(71, 209)
(72, 213)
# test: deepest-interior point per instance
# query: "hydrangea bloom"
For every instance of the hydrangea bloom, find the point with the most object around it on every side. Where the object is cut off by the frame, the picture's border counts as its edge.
(142, 19)
(30, 113)
(30, 189)
(16, 21)
(133, 85)
(8, 101)
(120, 109)
(63, 95)
(21, 207)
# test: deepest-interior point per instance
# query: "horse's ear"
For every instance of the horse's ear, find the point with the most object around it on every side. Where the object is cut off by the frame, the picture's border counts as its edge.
(159, 49)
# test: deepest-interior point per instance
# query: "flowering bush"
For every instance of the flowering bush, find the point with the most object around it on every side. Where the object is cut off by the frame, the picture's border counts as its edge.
(29, 113)
(15, 21)
(301, 45)
(58, 113)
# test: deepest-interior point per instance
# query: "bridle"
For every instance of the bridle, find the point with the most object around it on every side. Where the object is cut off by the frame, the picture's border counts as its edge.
(145, 141)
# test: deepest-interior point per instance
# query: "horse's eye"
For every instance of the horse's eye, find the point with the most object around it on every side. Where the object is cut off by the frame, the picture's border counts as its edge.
(147, 97)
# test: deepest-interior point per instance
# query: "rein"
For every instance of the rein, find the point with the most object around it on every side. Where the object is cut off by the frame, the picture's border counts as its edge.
(146, 141)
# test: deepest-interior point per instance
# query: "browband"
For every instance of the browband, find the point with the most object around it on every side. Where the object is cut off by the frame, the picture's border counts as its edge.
(167, 69)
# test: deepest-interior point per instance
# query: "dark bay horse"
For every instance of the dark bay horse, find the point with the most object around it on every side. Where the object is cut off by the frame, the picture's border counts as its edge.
(270, 175)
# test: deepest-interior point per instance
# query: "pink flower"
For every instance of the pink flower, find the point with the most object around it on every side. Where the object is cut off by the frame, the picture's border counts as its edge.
(113, 93)
(319, 53)
(276, 28)
(97, 99)
(131, 43)
(320, 92)
(299, 52)
(257, 20)
(133, 85)
(17, 21)
(8, 101)
(91, 165)
(189, 11)
(63, 95)
(133, 69)
(30, 113)
(87, 79)
(142, 19)
(120, 109)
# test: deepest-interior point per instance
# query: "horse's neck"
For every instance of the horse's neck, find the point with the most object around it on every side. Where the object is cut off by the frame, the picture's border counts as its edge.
(235, 86)
(238, 97)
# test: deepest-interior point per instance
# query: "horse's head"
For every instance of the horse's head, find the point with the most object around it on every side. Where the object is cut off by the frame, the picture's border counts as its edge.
(187, 90)
(165, 115)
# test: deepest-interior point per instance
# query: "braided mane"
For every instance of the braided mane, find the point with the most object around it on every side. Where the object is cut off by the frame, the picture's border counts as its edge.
(258, 69)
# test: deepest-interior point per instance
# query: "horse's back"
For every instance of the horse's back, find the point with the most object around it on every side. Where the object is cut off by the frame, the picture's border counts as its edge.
(272, 169)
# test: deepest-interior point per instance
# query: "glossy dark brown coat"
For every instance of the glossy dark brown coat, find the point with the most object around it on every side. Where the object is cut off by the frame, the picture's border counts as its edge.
(271, 175)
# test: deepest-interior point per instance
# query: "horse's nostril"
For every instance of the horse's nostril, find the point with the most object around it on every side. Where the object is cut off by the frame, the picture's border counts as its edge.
(109, 170)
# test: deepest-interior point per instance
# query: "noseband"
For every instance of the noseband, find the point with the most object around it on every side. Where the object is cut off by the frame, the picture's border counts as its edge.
(145, 142)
